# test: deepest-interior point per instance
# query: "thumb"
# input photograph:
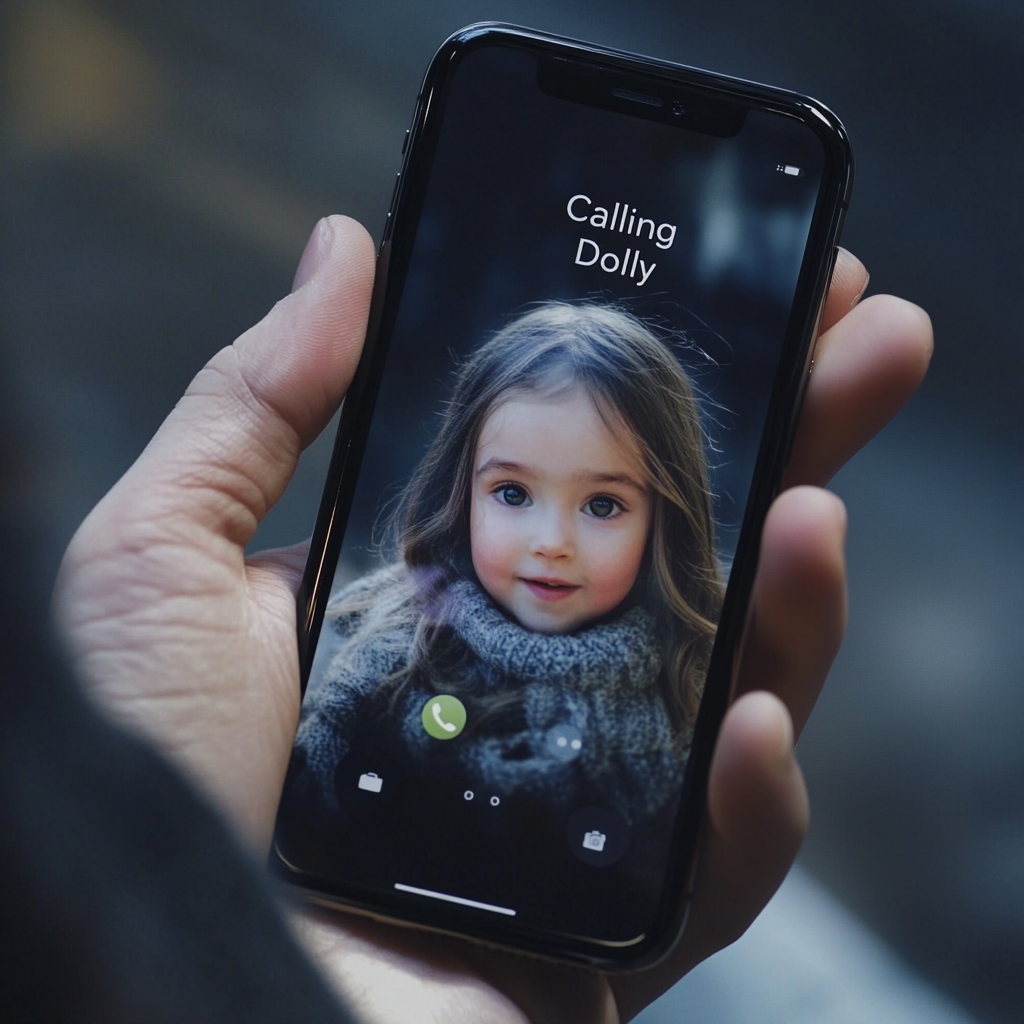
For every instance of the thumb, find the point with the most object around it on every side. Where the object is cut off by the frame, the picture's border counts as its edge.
(227, 451)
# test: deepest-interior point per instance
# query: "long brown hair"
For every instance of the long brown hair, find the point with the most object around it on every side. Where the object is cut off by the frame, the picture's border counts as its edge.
(634, 379)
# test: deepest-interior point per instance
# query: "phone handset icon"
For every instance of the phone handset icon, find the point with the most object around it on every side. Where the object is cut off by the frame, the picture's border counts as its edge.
(435, 707)
(443, 717)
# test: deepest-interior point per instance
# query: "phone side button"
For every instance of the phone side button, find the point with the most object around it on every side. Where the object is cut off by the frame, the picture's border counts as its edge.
(795, 425)
(405, 141)
(386, 234)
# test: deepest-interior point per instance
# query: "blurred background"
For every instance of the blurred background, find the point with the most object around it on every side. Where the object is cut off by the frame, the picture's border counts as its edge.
(163, 164)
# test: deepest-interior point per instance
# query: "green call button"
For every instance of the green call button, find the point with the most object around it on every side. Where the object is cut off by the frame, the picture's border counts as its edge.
(444, 717)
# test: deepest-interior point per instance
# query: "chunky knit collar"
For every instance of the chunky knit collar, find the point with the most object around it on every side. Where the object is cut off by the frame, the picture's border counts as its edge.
(622, 651)
(605, 681)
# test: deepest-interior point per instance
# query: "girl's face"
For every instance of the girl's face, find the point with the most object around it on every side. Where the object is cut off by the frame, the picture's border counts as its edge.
(559, 513)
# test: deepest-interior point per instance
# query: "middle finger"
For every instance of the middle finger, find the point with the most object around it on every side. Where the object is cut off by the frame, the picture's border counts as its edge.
(799, 600)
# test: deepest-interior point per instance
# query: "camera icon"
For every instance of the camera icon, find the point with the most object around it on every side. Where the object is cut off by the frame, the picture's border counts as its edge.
(597, 836)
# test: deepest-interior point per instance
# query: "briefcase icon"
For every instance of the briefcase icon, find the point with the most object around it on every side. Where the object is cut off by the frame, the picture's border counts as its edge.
(594, 841)
(370, 781)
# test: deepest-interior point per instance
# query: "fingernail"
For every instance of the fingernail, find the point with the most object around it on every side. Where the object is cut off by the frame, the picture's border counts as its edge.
(313, 255)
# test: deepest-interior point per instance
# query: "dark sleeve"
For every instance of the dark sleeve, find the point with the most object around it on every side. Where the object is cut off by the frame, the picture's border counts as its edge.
(123, 897)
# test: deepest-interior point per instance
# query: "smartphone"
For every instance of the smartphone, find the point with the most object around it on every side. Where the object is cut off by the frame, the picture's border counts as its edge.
(596, 299)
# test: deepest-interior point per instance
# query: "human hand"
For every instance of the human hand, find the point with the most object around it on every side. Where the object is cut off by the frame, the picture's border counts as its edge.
(184, 640)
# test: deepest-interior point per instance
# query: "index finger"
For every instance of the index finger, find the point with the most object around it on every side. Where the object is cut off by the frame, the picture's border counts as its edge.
(866, 366)
(849, 281)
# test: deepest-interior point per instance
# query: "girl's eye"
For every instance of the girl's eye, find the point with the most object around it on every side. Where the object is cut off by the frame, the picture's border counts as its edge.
(513, 494)
(602, 507)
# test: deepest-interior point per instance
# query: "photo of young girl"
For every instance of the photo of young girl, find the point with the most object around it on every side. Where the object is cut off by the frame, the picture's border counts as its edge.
(551, 565)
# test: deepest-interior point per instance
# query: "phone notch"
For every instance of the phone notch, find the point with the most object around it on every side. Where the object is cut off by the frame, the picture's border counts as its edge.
(652, 98)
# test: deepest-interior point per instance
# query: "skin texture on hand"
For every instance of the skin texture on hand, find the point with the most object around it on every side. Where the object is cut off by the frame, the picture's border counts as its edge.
(181, 638)
(175, 634)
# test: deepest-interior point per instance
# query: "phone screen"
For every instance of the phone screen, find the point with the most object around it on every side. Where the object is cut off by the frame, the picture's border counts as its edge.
(501, 706)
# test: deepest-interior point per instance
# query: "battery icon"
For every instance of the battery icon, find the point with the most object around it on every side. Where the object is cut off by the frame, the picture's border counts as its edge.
(790, 170)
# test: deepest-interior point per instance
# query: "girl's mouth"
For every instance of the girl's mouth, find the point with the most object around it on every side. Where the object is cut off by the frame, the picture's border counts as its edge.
(548, 589)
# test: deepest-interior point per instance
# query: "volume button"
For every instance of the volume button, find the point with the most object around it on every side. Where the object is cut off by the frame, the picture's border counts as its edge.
(405, 141)
(386, 234)
(795, 424)
(802, 394)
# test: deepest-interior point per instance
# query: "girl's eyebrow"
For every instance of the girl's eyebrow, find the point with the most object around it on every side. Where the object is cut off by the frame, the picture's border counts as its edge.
(616, 478)
(503, 464)
(507, 466)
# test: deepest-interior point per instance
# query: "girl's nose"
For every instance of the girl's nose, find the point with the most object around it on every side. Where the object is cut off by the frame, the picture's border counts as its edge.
(553, 536)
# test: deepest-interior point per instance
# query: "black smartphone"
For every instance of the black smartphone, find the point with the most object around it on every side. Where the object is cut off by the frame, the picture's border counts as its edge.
(597, 293)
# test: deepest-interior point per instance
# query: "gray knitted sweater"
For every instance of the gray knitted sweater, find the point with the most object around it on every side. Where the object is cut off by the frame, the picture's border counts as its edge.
(605, 682)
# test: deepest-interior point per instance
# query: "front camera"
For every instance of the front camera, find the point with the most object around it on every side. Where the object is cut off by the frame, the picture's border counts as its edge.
(678, 108)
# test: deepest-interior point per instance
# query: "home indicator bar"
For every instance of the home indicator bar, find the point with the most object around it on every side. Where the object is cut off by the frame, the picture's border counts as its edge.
(461, 900)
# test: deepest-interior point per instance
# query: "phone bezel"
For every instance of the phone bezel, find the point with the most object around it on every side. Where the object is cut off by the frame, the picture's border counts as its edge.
(393, 260)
